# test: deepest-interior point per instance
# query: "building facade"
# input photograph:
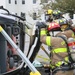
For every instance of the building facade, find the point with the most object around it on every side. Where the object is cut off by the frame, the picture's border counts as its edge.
(27, 9)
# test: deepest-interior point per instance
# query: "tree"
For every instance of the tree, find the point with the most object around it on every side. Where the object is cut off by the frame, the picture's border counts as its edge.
(67, 6)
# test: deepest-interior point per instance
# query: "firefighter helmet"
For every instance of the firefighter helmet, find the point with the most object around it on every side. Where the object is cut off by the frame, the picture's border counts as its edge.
(48, 15)
(57, 14)
(49, 11)
(53, 26)
(63, 24)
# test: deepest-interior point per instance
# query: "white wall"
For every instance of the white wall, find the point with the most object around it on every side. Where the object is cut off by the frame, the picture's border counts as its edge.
(27, 8)
(3, 3)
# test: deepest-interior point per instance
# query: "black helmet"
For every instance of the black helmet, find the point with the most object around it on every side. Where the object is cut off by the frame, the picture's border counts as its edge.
(57, 14)
(63, 22)
(64, 25)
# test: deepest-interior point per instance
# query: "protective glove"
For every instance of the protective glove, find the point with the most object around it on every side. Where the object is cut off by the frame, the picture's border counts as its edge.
(41, 25)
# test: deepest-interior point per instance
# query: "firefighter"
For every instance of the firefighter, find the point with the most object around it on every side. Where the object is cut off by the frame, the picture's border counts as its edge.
(59, 57)
(69, 31)
(48, 15)
(57, 14)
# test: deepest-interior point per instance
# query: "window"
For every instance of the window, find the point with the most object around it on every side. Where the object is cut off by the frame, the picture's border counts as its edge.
(23, 1)
(15, 1)
(34, 16)
(16, 14)
(23, 15)
(44, 1)
(9, 1)
(34, 1)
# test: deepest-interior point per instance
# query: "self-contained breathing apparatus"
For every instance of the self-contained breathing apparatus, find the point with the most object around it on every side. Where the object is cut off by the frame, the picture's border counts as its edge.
(70, 45)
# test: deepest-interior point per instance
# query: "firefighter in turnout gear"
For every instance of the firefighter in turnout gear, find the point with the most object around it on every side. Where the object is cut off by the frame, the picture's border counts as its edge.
(57, 14)
(59, 57)
(66, 29)
(48, 15)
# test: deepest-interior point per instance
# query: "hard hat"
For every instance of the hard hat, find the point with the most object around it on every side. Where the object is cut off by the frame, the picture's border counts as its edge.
(63, 21)
(49, 12)
(53, 26)
(57, 14)
(48, 15)
(63, 24)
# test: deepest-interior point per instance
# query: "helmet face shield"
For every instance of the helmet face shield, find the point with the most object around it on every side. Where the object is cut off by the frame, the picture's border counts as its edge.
(48, 15)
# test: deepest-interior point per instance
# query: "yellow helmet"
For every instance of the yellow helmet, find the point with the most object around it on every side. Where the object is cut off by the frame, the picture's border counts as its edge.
(48, 15)
(49, 11)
